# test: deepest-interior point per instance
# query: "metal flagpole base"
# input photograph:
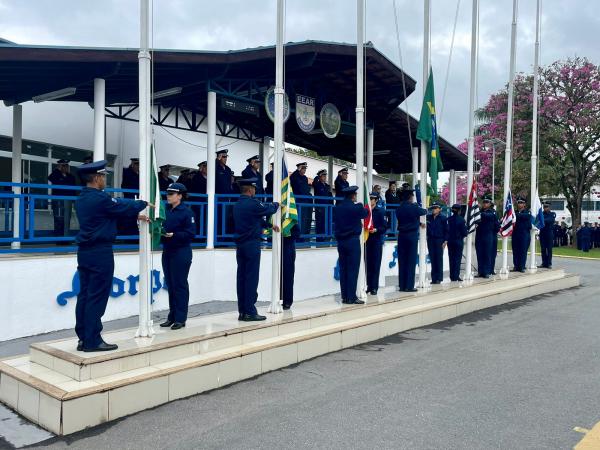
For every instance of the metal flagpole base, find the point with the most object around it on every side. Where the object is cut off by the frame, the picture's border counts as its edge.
(275, 308)
(147, 333)
(532, 270)
(504, 273)
(468, 279)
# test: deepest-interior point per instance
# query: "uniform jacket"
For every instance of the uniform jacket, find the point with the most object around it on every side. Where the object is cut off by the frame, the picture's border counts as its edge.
(249, 218)
(522, 223)
(180, 222)
(249, 172)
(339, 185)
(197, 185)
(223, 176)
(391, 198)
(98, 212)
(379, 223)
(321, 190)
(347, 217)
(437, 227)
(57, 177)
(457, 228)
(488, 226)
(269, 181)
(548, 228)
(130, 180)
(164, 182)
(300, 186)
(408, 215)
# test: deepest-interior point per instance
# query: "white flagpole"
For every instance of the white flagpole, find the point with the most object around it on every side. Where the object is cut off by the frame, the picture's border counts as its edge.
(534, 128)
(509, 120)
(423, 181)
(360, 130)
(145, 287)
(275, 306)
(471, 147)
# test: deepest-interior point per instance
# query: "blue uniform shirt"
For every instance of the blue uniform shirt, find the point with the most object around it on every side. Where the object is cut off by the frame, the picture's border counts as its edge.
(98, 212)
(223, 176)
(249, 173)
(437, 227)
(522, 223)
(408, 215)
(249, 218)
(548, 228)
(379, 222)
(180, 222)
(300, 186)
(457, 228)
(57, 177)
(321, 190)
(489, 223)
(347, 217)
(339, 185)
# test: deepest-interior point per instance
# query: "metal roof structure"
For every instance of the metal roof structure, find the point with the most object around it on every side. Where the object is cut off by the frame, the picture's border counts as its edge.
(323, 70)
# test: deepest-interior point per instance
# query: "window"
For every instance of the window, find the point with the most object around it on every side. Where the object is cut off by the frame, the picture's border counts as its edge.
(557, 205)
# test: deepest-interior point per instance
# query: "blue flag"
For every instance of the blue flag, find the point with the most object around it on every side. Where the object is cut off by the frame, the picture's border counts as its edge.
(537, 213)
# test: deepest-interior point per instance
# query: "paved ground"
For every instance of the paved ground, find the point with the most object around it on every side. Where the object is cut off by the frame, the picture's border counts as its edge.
(519, 376)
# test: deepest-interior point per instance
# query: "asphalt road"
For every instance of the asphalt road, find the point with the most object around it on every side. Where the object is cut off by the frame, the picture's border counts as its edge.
(519, 376)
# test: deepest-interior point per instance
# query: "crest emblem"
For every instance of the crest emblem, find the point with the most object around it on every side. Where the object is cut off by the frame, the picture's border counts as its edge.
(305, 113)
(270, 105)
(331, 122)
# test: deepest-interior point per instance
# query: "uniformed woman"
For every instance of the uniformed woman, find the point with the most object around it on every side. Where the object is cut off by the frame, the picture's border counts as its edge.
(374, 245)
(521, 236)
(177, 254)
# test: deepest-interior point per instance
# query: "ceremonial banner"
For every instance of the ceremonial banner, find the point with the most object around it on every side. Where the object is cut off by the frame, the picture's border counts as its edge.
(157, 214)
(306, 116)
(270, 105)
(473, 213)
(508, 219)
(537, 213)
(331, 122)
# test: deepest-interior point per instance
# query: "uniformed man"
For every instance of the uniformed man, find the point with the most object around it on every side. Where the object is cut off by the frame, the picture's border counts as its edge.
(408, 215)
(341, 182)
(288, 266)
(179, 230)
(249, 220)
(585, 237)
(547, 236)
(374, 244)
(391, 195)
(61, 209)
(301, 189)
(97, 213)
(521, 236)
(269, 181)
(164, 180)
(380, 199)
(131, 178)
(485, 238)
(321, 189)
(437, 239)
(252, 171)
(347, 218)
(223, 174)
(457, 232)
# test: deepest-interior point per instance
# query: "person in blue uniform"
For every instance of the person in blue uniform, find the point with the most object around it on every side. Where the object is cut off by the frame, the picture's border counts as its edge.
(249, 220)
(347, 219)
(269, 181)
(485, 238)
(131, 178)
(374, 245)
(437, 239)
(321, 189)
(521, 236)
(301, 189)
(178, 232)
(341, 182)
(252, 170)
(494, 246)
(391, 195)
(457, 232)
(61, 209)
(585, 237)
(97, 213)
(223, 185)
(288, 266)
(547, 236)
(164, 179)
(408, 215)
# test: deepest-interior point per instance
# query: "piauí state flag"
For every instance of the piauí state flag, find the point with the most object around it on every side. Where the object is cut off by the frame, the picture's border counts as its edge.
(289, 213)
(427, 132)
(157, 214)
(537, 213)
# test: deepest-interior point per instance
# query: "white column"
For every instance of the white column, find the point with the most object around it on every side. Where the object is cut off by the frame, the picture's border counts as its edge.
(17, 143)
(370, 137)
(423, 180)
(452, 186)
(145, 287)
(415, 168)
(211, 149)
(275, 306)
(360, 132)
(509, 120)
(263, 166)
(468, 276)
(330, 171)
(534, 131)
(99, 120)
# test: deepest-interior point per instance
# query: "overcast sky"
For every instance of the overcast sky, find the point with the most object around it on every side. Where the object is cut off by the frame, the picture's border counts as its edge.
(569, 28)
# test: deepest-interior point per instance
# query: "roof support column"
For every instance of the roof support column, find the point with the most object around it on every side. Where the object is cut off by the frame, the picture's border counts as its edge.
(99, 118)
(452, 186)
(211, 150)
(17, 140)
(415, 168)
(330, 171)
(261, 154)
(370, 137)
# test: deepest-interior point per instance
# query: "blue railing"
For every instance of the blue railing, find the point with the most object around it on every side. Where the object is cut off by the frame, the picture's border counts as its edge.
(41, 207)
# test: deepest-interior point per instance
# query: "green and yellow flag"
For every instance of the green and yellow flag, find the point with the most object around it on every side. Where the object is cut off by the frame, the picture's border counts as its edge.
(427, 132)
(157, 214)
(289, 212)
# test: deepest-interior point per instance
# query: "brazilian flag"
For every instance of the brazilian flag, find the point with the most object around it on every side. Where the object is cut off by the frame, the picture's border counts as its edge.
(427, 132)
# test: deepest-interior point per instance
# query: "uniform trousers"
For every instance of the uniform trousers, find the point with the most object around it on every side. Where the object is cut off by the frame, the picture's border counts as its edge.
(288, 263)
(483, 248)
(546, 243)
(96, 267)
(407, 259)
(436, 256)
(520, 245)
(248, 268)
(455, 251)
(374, 252)
(176, 265)
(349, 257)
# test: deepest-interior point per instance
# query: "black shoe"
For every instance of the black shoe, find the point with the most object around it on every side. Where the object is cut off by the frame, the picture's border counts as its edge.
(549, 267)
(102, 347)
(459, 279)
(410, 290)
(493, 273)
(240, 316)
(355, 302)
(79, 345)
(286, 307)
(522, 270)
(178, 325)
(252, 318)
(435, 282)
(373, 291)
(167, 323)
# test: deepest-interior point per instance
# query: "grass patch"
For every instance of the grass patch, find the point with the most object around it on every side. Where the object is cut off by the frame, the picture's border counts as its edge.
(560, 251)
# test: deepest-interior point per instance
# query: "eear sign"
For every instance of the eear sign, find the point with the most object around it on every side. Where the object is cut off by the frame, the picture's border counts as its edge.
(117, 289)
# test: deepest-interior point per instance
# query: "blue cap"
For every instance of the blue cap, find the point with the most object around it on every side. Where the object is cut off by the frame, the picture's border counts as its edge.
(248, 182)
(347, 191)
(62, 161)
(302, 164)
(436, 205)
(520, 199)
(93, 167)
(177, 187)
(223, 151)
(374, 195)
(343, 170)
(546, 203)
(487, 198)
(321, 172)
(456, 206)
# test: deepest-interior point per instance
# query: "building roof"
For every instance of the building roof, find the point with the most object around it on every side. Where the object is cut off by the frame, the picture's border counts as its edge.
(323, 70)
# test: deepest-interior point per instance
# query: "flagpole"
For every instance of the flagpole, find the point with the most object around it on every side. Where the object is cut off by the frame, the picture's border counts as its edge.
(145, 288)
(275, 306)
(360, 129)
(534, 141)
(424, 149)
(471, 145)
(509, 120)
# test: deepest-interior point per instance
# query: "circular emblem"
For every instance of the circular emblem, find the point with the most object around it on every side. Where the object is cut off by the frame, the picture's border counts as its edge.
(331, 121)
(270, 105)
(305, 113)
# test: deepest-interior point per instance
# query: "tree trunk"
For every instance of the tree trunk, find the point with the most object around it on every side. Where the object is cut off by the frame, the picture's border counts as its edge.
(575, 211)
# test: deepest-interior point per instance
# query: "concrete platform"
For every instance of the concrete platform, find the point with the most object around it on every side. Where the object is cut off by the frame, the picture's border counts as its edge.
(65, 391)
